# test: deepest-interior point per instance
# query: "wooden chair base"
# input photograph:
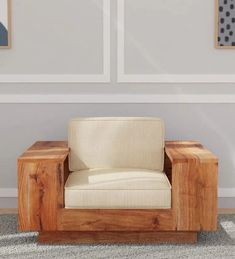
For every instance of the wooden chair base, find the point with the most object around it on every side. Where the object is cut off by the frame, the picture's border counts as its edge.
(116, 237)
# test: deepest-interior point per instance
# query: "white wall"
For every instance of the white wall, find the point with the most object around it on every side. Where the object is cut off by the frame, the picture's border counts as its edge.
(23, 124)
(60, 37)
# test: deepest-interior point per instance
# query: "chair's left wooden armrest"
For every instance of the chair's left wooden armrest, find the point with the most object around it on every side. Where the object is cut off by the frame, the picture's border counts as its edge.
(42, 172)
(192, 170)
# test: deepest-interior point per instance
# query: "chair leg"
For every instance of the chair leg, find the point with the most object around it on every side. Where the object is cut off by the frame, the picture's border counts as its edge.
(116, 237)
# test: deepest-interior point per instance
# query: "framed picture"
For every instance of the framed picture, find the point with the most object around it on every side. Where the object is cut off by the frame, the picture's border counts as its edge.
(225, 24)
(5, 34)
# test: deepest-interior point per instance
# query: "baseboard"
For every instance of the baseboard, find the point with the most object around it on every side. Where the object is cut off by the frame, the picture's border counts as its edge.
(8, 192)
(226, 192)
(13, 192)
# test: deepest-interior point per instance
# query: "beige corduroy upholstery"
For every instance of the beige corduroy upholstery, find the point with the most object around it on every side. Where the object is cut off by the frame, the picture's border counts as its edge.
(116, 143)
(117, 188)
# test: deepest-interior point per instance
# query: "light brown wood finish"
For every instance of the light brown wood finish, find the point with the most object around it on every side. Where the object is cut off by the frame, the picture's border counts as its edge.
(221, 211)
(46, 150)
(43, 171)
(183, 151)
(41, 179)
(225, 211)
(116, 220)
(116, 237)
(4, 211)
(194, 185)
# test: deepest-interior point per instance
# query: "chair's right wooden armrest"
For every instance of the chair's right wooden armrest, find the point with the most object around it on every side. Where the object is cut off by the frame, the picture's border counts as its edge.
(193, 175)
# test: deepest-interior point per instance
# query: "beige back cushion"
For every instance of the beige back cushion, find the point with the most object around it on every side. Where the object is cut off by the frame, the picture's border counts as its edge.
(116, 143)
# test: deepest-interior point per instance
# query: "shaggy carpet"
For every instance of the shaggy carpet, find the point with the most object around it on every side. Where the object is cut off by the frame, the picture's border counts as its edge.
(220, 244)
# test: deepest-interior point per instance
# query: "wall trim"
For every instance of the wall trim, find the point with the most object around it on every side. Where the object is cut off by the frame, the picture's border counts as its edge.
(72, 78)
(115, 98)
(177, 78)
(157, 78)
(226, 192)
(8, 192)
(54, 78)
(13, 192)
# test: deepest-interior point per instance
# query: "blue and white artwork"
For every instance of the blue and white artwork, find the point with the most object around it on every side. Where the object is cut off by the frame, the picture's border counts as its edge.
(4, 23)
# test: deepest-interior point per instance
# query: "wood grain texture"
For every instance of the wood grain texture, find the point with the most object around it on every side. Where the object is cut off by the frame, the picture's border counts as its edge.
(185, 196)
(49, 145)
(192, 170)
(194, 185)
(182, 144)
(39, 200)
(115, 220)
(179, 154)
(116, 237)
(41, 186)
(220, 211)
(23, 187)
(208, 196)
(46, 150)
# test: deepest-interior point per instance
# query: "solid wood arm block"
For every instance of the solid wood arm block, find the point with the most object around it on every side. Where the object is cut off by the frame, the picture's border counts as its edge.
(194, 184)
(42, 172)
(184, 151)
(46, 150)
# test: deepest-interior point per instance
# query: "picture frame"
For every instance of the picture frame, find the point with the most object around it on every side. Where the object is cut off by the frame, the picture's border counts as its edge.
(225, 24)
(5, 24)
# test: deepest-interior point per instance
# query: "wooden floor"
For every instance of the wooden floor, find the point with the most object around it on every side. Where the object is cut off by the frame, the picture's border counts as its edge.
(15, 211)
(226, 211)
(8, 211)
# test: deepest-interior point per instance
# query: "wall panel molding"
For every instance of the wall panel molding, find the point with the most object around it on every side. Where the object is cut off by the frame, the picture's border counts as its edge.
(115, 98)
(158, 78)
(72, 78)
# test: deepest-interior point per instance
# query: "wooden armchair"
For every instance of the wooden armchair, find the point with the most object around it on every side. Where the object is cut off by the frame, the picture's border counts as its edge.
(91, 190)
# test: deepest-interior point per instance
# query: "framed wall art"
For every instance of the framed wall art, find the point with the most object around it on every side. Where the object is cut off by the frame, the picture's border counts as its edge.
(225, 24)
(5, 21)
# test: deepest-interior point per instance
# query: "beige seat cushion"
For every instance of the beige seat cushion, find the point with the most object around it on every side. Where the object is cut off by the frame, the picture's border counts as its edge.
(119, 142)
(117, 188)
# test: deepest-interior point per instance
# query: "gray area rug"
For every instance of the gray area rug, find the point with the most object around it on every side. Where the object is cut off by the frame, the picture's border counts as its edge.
(220, 244)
